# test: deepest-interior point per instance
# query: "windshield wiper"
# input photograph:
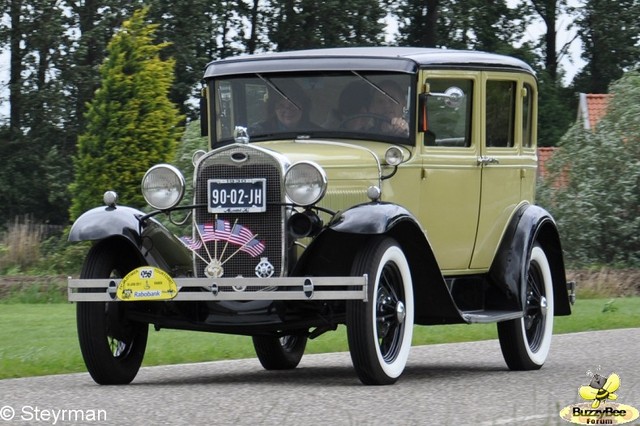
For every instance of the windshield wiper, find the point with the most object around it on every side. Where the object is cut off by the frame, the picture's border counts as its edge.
(376, 87)
(278, 91)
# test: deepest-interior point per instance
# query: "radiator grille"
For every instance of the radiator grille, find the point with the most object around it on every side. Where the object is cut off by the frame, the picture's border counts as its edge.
(268, 226)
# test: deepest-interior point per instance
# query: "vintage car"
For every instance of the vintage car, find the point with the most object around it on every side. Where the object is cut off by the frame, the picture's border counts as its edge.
(380, 188)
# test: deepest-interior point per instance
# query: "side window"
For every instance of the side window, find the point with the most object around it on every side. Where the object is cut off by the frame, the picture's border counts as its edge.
(500, 115)
(527, 119)
(224, 108)
(449, 113)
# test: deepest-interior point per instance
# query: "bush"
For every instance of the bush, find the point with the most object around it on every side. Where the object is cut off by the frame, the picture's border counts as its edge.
(61, 256)
(28, 247)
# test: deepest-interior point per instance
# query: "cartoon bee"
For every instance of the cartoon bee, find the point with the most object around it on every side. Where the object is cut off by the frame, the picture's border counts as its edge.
(600, 389)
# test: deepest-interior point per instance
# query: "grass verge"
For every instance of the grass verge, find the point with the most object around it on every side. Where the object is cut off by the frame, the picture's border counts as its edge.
(40, 339)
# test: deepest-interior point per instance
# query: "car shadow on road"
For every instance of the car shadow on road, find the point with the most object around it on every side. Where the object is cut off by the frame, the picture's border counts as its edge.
(338, 376)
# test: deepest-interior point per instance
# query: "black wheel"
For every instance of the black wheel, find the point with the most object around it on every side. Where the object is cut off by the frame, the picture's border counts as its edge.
(379, 331)
(525, 342)
(112, 346)
(279, 353)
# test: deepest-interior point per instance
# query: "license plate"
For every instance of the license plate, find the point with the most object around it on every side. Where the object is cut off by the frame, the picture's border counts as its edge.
(237, 195)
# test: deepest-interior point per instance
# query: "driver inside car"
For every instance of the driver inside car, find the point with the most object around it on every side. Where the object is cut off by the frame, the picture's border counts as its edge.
(388, 103)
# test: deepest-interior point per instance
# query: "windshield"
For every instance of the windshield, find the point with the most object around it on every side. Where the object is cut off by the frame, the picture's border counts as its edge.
(359, 105)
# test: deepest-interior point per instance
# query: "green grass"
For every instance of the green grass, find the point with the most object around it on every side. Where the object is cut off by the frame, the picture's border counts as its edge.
(40, 339)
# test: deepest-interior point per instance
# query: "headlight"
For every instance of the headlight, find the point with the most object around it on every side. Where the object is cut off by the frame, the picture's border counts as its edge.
(163, 186)
(305, 183)
(393, 156)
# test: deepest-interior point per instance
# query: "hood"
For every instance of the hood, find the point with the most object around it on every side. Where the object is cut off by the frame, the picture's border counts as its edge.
(340, 160)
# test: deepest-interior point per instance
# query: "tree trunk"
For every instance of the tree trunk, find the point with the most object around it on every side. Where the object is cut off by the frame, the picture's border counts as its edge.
(15, 72)
(431, 24)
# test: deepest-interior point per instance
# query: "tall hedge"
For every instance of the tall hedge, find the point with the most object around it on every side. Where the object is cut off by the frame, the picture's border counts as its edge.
(598, 208)
(131, 122)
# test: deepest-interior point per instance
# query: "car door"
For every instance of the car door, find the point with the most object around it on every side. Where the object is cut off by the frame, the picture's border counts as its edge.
(507, 166)
(450, 181)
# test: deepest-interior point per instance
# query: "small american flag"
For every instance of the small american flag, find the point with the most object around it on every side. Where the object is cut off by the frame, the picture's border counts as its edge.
(240, 235)
(206, 232)
(253, 247)
(220, 229)
(190, 243)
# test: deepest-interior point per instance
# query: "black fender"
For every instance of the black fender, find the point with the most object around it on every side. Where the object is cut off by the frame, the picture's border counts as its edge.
(332, 253)
(103, 222)
(530, 224)
(148, 237)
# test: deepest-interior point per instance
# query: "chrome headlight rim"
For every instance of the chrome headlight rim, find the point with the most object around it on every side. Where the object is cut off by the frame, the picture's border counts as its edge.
(393, 156)
(176, 192)
(320, 183)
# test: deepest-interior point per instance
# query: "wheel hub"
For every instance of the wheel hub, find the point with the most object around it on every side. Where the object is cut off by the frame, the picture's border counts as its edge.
(401, 312)
(544, 307)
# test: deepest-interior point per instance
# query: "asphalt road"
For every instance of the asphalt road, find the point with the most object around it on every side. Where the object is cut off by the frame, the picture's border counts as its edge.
(449, 384)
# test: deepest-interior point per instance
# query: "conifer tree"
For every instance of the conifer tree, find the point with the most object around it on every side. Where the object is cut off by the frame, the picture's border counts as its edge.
(130, 124)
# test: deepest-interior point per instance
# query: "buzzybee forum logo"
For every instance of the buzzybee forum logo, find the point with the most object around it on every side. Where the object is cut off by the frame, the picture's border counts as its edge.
(599, 408)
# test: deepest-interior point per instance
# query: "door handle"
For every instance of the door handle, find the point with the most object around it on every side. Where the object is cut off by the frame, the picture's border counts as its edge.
(482, 161)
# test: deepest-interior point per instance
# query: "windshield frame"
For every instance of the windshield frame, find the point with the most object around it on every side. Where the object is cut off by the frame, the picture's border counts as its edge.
(227, 87)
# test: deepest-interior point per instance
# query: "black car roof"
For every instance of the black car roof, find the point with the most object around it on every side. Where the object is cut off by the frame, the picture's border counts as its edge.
(398, 59)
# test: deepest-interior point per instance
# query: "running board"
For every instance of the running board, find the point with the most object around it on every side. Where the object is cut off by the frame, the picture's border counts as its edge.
(484, 317)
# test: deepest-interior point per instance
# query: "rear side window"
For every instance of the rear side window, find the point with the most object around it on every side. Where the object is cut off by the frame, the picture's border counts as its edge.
(527, 116)
(500, 116)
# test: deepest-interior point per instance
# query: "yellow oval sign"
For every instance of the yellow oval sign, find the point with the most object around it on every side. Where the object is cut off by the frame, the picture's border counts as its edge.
(146, 283)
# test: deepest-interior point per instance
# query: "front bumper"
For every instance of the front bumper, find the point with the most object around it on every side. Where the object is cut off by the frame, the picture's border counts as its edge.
(237, 289)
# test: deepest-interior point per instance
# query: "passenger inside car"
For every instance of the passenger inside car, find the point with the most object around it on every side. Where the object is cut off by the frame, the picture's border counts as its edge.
(285, 112)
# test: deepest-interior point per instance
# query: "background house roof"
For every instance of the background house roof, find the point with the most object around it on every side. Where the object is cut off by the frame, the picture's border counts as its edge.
(544, 154)
(592, 108)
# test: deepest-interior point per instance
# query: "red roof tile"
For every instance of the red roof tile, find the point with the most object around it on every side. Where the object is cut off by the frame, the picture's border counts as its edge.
(592, 108)
(544, 155)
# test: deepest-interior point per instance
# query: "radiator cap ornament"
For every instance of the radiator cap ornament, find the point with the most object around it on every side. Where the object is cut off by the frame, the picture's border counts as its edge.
(241, 135)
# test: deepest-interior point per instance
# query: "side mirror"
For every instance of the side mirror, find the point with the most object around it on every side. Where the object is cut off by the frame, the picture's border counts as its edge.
(453, 97)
